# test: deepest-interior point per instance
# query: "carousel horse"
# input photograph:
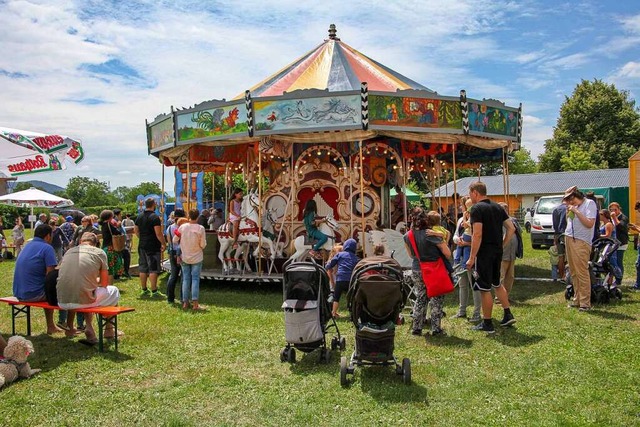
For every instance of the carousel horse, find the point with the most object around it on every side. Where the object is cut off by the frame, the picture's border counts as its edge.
(247, 234)
(302, 247)
(393, 241)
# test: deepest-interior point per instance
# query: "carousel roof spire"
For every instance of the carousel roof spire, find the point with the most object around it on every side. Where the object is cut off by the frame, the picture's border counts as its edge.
(332, 32)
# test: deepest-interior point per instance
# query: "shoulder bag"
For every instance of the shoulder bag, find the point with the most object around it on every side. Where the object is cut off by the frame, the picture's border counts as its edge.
(118, 241)
(434, 273)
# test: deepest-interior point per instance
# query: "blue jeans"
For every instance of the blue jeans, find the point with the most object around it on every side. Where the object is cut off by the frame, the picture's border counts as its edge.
(174, 278)
(637, 270)
(62, 318)
(191, 281)
(620, 265)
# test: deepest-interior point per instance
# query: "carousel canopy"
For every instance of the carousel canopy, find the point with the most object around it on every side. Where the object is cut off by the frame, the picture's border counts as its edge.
(334, 66)
(332, 95)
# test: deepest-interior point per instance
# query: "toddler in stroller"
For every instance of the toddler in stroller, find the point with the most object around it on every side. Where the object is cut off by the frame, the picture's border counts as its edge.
(375, 299)
(307, 311)
(601, 270)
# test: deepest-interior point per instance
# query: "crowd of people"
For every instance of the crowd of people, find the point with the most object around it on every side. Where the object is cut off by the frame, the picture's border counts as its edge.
(75, 266)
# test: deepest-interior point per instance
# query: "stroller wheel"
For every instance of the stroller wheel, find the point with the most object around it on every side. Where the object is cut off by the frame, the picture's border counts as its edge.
(334, 343)
(615, 293)
(568, 293)
(406, 371)
(343, 372)
(291, 355)
(283, 355)
(343, 344)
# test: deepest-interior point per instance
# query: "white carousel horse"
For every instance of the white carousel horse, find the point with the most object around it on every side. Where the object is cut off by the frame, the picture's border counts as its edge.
(393, 241)
(247, 233)
(328, 227)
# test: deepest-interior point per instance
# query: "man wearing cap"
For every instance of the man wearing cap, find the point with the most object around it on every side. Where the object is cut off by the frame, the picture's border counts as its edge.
(581, 219)
(68, 228)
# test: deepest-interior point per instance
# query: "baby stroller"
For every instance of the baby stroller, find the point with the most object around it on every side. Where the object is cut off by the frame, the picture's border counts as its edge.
(375, 299)
(307, 311)
(600, 270)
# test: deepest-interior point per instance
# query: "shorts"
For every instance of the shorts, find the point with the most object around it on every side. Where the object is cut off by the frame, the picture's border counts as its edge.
(105, 297)
(488, 270)
(341, 286)
(561, 246)
(149, 262)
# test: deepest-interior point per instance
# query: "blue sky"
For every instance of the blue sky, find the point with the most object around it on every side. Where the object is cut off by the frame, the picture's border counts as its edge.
(96, 69)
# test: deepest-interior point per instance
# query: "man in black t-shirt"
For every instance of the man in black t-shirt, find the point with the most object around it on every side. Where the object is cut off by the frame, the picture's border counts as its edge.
(148, 228)
(487, 241)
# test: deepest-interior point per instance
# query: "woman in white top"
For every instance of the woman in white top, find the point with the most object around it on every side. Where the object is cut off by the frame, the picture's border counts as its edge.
(192, 239)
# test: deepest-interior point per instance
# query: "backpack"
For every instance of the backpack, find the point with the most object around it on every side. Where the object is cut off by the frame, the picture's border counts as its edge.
(520, 248)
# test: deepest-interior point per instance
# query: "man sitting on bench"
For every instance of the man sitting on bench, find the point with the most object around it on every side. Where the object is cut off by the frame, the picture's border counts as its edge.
(36, 260)
(83, 283)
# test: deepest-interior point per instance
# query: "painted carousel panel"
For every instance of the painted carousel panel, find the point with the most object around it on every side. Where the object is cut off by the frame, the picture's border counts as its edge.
(295, 115)
(212, 123)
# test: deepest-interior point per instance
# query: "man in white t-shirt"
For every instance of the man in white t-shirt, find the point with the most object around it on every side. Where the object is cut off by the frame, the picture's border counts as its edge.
(82, 283)
(581, 219)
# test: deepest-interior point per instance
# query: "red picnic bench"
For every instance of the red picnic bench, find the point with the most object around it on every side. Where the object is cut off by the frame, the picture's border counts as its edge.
(106, 316)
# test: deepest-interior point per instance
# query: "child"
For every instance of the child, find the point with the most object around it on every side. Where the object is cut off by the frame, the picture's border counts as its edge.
(553, 258)
(346, 261)
(311, 225)
(337, 248)
(235, 213)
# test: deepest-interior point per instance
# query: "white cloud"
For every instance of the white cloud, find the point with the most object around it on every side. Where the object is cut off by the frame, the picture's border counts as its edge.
(185, 52)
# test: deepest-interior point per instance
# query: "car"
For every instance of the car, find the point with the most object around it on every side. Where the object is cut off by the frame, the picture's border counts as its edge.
(542, 222)
(528, 217)
(65, 212)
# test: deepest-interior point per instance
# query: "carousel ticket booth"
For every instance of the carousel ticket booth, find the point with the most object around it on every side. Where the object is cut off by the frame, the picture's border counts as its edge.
(337, 128)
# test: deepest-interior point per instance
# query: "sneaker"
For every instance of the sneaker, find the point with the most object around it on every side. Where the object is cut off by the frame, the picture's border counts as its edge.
(583, 309)
(417, 332)
(459, 316)
(483, 328)
(157, 294)
(62, 326)
(635, 288)
(475, 319)
(507, 321)
(145, 293)
(438, 333)
(572, 305)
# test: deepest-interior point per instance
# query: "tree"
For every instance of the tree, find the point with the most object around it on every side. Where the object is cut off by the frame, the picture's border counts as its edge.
(89, 192)
(21, 186)
(521, 162)
(599, 121)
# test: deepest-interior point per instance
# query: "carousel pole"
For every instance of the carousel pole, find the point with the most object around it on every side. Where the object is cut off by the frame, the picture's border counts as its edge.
(188, 181)
(455, 185)
(259, 211)
(507, 177)
(364, 241)
(404, 189)
(432, 178)
(163, 204)
(213, 190)
(504, 181)
(350, 192)
(294, 178)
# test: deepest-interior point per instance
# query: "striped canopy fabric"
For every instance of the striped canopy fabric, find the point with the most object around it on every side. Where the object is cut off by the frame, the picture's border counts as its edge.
(335, 66)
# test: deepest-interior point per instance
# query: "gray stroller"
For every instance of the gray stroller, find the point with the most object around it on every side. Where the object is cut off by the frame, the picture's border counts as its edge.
(307, 311)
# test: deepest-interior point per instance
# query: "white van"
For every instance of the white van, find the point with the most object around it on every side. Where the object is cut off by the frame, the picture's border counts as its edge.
(542, 222)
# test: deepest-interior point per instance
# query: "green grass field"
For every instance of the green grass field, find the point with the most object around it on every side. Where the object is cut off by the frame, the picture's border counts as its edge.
(221, 367)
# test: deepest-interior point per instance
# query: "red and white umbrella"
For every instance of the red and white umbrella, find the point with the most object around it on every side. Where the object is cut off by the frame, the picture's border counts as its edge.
(25, 152)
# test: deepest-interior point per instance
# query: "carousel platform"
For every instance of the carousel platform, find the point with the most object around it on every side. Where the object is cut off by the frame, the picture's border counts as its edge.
(216, 274)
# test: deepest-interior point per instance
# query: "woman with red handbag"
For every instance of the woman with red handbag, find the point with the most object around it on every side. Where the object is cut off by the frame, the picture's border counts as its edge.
(429, 271)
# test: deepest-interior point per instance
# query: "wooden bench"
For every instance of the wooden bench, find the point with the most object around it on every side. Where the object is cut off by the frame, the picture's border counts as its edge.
(106, 316)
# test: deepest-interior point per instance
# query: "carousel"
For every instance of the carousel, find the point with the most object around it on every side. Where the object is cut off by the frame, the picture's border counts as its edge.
(335, 127)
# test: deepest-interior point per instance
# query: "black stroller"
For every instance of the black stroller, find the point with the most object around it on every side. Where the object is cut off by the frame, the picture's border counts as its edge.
(375, 299)
(307, 311)
(600, 270)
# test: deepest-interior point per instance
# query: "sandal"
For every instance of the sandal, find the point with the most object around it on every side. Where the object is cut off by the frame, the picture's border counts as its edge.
(88, 342)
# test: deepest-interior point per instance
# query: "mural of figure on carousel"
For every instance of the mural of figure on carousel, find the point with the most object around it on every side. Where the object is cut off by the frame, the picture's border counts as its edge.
(311, 224)
(235, 213)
